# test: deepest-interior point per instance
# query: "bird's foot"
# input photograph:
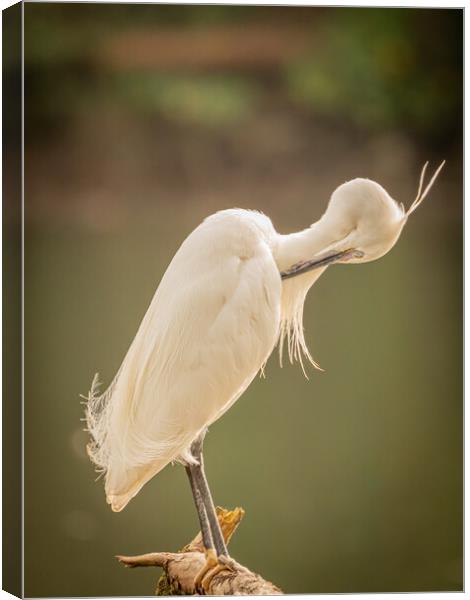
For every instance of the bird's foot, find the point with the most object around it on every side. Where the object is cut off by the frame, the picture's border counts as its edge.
(214, 565)
(211, 562)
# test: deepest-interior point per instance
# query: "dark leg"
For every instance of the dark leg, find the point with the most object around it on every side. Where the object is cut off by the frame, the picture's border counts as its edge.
(201, 512)
(199, 478)
(211, 555)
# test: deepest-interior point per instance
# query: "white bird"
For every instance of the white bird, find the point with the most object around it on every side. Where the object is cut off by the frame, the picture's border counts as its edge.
(234, 289)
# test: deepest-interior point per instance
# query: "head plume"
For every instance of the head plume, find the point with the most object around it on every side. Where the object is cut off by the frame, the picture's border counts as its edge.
(420, 196)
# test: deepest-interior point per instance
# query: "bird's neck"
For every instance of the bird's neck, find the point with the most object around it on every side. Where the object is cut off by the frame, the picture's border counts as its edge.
(301, 246)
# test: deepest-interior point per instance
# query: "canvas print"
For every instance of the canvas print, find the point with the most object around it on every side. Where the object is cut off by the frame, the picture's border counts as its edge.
(233, 299)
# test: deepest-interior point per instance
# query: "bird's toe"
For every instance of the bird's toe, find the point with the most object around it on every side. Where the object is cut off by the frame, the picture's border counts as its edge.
(214, 565)
(211, 562)
(224, 563)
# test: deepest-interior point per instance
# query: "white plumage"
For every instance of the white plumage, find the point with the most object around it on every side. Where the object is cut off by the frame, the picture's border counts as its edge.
(215, 318)
(211, 325)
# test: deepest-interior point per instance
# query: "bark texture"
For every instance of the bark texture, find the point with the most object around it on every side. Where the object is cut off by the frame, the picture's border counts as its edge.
(180, 569)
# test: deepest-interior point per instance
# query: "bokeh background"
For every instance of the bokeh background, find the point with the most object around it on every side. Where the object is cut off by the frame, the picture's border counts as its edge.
(141, 121)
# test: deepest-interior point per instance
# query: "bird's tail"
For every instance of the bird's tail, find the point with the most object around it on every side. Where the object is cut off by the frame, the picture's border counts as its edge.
(122, 487)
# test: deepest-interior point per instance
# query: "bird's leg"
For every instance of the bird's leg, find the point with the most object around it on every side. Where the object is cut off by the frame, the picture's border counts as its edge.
(211, 556)
(202, 494)
(217, 535)
(201, 512)
(203, 487)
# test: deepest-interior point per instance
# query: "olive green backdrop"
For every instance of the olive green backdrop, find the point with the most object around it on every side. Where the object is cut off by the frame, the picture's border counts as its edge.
(141, 121)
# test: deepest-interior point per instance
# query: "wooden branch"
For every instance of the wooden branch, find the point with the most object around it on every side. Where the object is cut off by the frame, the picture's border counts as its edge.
(182, 568)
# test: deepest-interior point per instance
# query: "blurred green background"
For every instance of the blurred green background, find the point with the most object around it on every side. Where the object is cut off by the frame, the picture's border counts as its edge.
(141, 121)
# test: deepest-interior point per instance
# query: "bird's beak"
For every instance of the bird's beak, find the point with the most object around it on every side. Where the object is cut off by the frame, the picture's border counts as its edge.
(321, 261)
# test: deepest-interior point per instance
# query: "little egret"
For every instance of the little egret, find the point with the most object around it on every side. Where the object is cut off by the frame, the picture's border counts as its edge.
(233, 290)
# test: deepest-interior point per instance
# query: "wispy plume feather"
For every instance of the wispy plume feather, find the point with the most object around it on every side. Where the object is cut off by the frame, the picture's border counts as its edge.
(421, 196)
(97, 419)
(291, 334)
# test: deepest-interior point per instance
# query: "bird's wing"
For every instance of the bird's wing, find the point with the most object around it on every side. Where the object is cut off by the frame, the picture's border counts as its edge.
(211, 325)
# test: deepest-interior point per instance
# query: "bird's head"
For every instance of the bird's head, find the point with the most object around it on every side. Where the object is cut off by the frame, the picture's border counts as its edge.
(365, 219)
(362, 223)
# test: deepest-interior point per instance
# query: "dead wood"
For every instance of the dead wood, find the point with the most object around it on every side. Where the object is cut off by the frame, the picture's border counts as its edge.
(180, 569)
